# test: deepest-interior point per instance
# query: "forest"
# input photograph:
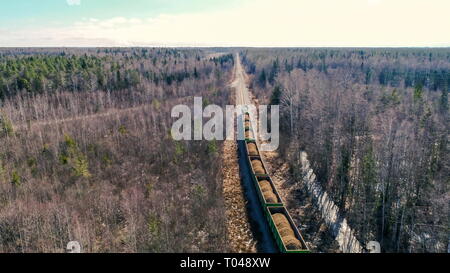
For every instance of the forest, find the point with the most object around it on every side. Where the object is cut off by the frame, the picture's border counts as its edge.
(374, 123)
(86, 152)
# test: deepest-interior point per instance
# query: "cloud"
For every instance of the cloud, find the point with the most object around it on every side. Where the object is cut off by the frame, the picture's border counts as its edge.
(286, 23)
(73, 2)
(261, 23)
(374, 2)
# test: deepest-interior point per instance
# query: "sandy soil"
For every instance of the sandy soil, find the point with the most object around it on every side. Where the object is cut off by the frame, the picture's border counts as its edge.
(240, 236)
(239, 233)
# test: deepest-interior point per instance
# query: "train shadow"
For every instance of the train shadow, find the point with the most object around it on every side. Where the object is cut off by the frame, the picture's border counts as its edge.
(257, 219)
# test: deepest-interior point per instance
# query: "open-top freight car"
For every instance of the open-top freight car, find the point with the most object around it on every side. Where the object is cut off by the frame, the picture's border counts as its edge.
(286, 234)
(267, 192)
(284, 230)
(248, 132)
(249, 135)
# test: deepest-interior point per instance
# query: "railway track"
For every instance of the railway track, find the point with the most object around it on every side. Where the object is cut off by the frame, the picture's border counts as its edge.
(275, 230)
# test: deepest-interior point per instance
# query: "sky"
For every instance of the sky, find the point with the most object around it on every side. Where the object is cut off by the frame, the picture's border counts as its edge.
(263, 23)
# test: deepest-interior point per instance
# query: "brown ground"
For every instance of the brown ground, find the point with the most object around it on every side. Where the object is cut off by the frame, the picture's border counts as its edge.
(239, 234)
(238, 228)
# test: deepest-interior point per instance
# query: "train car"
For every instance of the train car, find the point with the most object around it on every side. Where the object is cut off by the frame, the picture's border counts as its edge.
(246, 116)
(248, 131)
(267, 192)
(287, 236)
(249, 135)
(270, 200)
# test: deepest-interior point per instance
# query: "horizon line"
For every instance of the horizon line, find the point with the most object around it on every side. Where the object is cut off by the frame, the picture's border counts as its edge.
(221, 46)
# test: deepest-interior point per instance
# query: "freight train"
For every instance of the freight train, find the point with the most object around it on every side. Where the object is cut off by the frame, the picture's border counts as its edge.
(284, 230)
